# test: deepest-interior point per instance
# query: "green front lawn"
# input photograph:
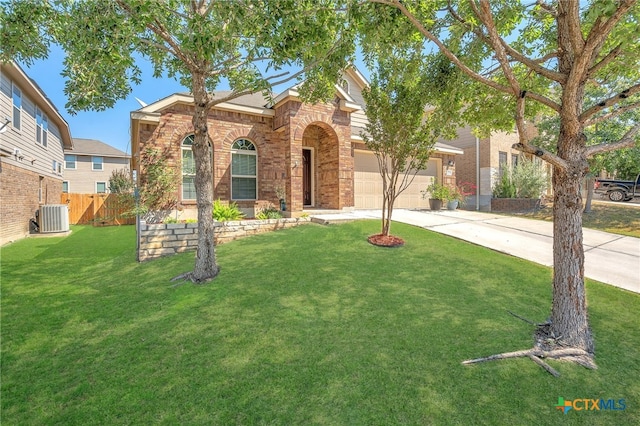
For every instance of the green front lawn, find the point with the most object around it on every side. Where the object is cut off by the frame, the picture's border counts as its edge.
(310, 325)
(620, 218)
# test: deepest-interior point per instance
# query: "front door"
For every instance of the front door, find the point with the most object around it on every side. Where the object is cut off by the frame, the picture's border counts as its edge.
(306, 177)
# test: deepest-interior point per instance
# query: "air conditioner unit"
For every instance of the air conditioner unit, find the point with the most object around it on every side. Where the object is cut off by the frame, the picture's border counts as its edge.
(54, 218)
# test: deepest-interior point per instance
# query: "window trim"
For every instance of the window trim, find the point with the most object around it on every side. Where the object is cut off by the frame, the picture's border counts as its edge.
(106, 188)
(42, 127)
(16, 111)
(75, 162)
(68, 186)
(241, 151)
(186, 145)
(93, 163)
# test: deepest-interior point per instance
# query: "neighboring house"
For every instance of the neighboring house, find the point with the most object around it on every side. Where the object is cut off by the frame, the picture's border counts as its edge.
(88, 166)
(31, 151)
(313, 152)
(483, 161)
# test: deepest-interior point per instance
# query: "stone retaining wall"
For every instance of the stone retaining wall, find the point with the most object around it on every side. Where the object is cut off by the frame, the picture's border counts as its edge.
(156, 240)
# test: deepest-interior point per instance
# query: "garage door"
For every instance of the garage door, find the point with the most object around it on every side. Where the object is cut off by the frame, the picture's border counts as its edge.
(368, 184)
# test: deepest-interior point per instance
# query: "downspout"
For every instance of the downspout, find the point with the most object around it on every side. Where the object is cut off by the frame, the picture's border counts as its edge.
(477, 174)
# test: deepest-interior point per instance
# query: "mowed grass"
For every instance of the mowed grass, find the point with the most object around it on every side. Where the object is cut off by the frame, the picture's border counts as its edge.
(621, 218)
(310, 325)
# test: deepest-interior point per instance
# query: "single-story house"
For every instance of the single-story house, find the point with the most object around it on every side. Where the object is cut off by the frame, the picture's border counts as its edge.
(88, 166)
(314, 153)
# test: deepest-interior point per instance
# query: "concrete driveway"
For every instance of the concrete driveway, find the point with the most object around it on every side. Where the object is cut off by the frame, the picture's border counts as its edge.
(609, 258)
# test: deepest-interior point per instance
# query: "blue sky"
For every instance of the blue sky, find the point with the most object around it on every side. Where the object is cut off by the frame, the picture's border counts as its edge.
(110, 126)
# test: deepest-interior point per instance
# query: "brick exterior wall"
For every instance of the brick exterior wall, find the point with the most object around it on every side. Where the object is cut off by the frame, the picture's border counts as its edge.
(515, 204)
(19, 190)
(278, 141)
(159, 240)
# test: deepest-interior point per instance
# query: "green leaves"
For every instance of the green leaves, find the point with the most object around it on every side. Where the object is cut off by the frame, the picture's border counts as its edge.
(24, 36)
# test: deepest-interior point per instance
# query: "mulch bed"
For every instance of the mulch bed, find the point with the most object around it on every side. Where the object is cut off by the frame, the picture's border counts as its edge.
(385, 240)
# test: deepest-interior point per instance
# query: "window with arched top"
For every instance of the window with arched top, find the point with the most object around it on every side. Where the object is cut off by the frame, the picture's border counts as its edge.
(244, 170)
(345, 85)
(188, 170)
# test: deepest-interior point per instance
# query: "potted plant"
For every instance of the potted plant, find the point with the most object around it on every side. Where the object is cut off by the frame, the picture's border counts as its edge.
(459, 194)
(438, 194)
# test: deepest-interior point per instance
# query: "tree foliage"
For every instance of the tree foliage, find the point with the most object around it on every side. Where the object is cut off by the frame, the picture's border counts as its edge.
(120, 181)
(251, 45)
(398, 132)
(523, 59)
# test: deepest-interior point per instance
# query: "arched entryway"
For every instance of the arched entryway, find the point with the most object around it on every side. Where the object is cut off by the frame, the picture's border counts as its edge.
(320, 167)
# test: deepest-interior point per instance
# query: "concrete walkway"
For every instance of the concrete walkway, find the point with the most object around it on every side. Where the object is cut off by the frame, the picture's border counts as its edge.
(609, 258)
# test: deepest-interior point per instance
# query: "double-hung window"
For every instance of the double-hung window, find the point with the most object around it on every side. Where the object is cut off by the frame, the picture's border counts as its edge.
(244, 170)
(96, 163)
(188, 170)
(17, 107)
(42, 127)
(69, 161)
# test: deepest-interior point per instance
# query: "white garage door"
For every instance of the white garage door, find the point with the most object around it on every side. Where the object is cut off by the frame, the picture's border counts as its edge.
(368, 184)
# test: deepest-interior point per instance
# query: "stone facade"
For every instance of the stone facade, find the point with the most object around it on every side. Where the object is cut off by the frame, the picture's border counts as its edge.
(157, 240)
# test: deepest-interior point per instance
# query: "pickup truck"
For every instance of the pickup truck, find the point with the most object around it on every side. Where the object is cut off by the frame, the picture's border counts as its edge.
(618, 190)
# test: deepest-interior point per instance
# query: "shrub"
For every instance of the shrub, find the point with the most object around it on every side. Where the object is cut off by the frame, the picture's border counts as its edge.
(504, 187)
(224, 212)
(529, 178)
(438, 191)
(526, 180)
(269, 213)
(120, 182)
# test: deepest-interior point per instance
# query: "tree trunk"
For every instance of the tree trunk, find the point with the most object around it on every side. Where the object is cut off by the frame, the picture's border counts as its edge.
(590, 183)
(205, 267)
(569, 320)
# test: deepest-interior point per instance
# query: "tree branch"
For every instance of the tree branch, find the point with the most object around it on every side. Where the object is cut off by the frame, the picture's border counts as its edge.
(606, 60)
(572, 12)
(453, 58)
(611, 114)
(627, 141)
(448, 53)
(547, 156)
(533, 64)
(547, 8)
(600, 31)
(161, 32)
(613, 100)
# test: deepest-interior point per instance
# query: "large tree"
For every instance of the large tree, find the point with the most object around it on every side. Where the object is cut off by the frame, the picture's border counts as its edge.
(398, 131)
(524, 57)
(253, 45)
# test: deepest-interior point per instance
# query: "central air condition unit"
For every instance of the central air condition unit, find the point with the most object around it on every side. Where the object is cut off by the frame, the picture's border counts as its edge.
(54, 218)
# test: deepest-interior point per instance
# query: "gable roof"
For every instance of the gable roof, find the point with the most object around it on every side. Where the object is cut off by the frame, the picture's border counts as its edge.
(95, 147)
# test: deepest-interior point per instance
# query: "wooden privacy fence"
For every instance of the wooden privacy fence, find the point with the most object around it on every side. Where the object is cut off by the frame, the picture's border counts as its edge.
(97, 209)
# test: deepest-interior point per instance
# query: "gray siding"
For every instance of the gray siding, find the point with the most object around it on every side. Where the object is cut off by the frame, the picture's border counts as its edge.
(36, 158)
